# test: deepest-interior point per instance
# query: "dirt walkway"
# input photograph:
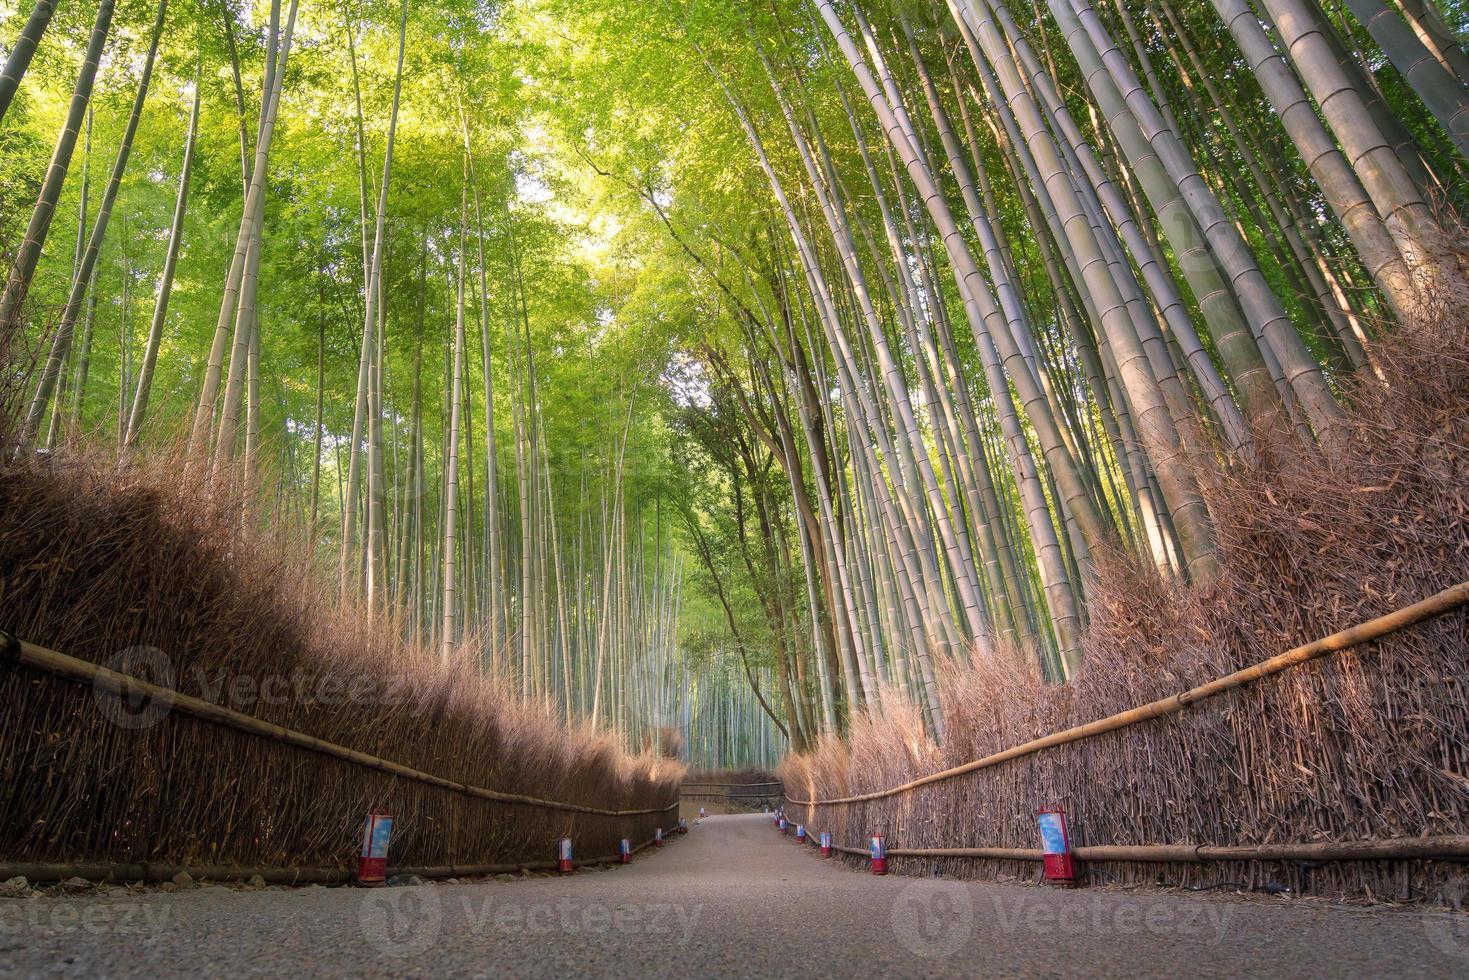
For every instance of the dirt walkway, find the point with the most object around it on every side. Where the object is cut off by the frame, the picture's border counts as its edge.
(732, 899)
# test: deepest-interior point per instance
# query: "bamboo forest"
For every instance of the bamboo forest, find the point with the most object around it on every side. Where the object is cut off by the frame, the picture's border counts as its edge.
(853, 387)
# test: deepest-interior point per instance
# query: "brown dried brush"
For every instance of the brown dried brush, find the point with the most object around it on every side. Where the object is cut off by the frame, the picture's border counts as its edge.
(140, 566)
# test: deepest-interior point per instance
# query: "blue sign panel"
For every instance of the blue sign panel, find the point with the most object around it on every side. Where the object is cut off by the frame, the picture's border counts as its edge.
(1053, 833)
(381, 831)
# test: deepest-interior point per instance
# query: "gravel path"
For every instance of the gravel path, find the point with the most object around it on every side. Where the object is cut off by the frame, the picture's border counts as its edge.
(732, 899)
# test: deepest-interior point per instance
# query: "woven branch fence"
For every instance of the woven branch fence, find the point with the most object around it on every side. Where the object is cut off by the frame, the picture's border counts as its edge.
(142, 573)
(1187, 789)
(742, 795)
(733, 790)
(484, 821)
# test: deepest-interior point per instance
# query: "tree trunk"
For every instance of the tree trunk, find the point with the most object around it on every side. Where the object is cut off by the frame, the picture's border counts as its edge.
(29, 253)
(1443, 94)
(1393, 190)
(165, 282)
(447, 594)
(1338, 182)
(61, 342)
(372, 286)
(22, 50)
(254, 199)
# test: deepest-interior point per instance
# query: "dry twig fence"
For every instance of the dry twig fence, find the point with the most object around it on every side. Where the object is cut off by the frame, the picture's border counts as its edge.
(15, 652)
(698, 792)
(1446, 846)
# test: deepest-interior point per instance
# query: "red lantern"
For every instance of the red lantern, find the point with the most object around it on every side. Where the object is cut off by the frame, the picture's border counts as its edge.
(879, 848)
(624, 851)
(1056, 845)
(657, 836)
(563, 856)
(372, 863)
(826, 843)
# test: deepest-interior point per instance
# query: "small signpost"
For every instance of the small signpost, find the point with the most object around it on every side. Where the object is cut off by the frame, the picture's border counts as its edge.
(563, 856)
(372, 863)
(879, 849)
(1056, 846)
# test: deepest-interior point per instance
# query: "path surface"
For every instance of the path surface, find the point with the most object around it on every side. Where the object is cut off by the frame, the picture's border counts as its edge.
(732, 899)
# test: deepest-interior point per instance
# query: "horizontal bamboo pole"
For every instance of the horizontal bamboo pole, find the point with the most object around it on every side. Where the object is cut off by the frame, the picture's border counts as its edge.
(1445, 847)
(147, 872)
(995, 853)
(1435, 605)
(770, 782)
(730, 796)
(119, 684)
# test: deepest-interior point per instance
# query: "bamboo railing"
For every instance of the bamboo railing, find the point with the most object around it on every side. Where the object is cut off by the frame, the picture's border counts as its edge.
(148, 871)
(1443, 847)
